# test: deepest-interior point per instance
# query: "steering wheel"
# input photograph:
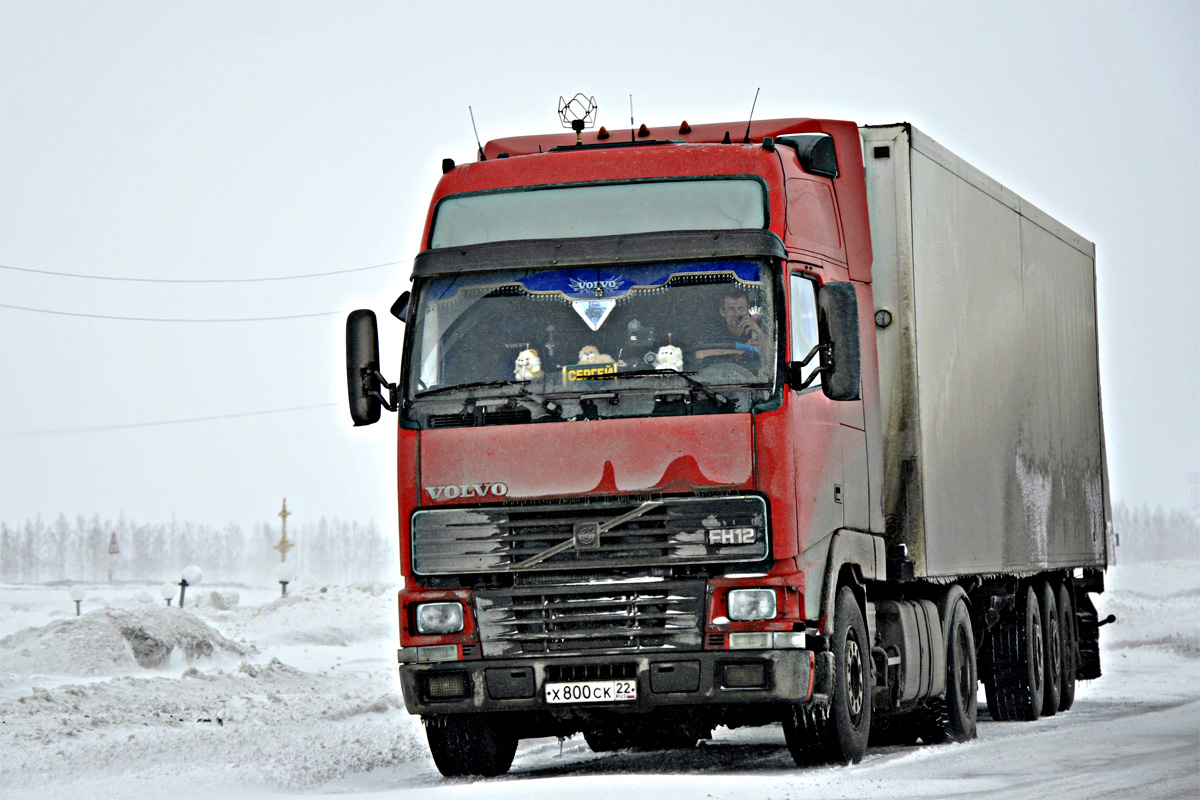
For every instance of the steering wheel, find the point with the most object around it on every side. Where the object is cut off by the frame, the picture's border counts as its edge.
(719, 369)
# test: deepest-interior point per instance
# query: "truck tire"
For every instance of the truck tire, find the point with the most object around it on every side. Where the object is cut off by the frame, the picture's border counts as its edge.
(1053, 648)
(1016, 645)
(470, 745)
(953, 718)
(838, 734)
(1070, 650)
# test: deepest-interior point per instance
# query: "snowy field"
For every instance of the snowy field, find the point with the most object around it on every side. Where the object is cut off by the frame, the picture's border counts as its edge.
(298, 697)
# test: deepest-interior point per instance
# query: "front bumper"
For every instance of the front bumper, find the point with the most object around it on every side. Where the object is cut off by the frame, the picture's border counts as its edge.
(734, 677)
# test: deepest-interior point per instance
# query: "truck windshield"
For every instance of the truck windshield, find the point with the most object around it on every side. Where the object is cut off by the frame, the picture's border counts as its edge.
(601, 209)
(587, 330)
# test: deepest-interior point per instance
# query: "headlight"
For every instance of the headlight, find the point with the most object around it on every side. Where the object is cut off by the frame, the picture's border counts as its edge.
(435, 618)
(748, 604)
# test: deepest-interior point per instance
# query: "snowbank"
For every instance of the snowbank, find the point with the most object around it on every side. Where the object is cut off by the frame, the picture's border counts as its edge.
(112, 641)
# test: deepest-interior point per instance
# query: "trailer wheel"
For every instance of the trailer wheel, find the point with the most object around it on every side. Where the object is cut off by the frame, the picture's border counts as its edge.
(953, 718)
(839, 735)
(470, 745)
(1070, 646)
(1052, 652)
(1018, 661)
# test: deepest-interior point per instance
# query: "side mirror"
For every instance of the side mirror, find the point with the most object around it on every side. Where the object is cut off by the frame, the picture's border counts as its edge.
(362, 366)
(841, 362)
(399, 308)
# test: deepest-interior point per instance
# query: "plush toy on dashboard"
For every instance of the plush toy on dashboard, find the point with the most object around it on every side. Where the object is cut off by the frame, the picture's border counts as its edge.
(528, 366)
(669, 357)
(591, 354)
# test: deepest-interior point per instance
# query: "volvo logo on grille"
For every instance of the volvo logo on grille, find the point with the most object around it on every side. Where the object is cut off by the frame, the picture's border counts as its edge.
(587, 535)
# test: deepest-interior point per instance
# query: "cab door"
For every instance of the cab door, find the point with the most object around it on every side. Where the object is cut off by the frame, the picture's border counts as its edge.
(815, 423)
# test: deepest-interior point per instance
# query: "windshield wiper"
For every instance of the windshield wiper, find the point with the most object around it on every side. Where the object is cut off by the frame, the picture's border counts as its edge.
(551, 407)
(704, 390)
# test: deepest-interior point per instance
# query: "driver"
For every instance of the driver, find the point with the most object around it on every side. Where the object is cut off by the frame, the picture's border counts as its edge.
(737, 332)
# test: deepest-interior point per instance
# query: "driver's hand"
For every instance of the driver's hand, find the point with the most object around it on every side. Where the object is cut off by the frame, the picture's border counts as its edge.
(750, 326)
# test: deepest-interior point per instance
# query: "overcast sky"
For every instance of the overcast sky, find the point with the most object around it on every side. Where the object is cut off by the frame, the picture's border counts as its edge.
(257, 140)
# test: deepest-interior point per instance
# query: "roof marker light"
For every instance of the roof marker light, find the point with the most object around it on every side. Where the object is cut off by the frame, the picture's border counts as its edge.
(643, 131)
(602, 134)
(685, 128)
(447, 165)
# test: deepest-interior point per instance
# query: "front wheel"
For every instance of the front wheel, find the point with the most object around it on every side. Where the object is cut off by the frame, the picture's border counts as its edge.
(470, 745)
(839, 734)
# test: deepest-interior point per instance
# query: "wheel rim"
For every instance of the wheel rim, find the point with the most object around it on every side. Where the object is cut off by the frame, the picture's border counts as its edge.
(1055, 650)
(961, 658)
(1038, 659)
(855, 684)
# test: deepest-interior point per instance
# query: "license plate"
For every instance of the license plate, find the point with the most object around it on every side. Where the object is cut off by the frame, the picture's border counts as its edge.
(591, 692)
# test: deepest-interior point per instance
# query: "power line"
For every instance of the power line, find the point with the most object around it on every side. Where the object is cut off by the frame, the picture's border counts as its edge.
(97, 428)
(195, 280)
(167, 319)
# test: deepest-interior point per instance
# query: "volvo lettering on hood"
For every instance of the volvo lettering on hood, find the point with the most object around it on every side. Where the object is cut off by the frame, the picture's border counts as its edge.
(467, 490)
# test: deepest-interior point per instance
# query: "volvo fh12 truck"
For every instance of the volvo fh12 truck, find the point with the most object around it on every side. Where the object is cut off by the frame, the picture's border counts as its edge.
(733, 424)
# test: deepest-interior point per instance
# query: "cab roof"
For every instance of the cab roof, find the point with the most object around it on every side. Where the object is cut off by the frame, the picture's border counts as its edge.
(708, 133)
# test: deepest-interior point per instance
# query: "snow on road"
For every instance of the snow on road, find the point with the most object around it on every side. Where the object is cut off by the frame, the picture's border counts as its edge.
(295, 696)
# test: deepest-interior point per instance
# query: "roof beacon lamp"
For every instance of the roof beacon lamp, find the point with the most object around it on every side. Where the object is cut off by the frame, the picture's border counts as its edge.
(577, 113)
(191, 575)
(284, 573)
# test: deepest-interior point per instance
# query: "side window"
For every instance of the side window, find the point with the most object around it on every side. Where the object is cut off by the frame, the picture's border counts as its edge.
(802, 321)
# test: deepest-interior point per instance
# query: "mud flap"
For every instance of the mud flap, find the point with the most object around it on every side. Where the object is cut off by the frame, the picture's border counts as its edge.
(823, 680)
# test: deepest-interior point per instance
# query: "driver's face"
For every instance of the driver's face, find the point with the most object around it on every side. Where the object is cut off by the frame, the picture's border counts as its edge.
(733, 311)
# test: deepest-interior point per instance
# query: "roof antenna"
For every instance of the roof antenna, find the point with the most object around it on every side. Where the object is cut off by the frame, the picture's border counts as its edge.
(482, 157)
(746, 140)
(631, 134)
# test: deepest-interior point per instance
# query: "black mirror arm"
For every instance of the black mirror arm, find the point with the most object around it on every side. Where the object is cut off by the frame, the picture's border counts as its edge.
(391, 403)
(827, 349)
(828, 346)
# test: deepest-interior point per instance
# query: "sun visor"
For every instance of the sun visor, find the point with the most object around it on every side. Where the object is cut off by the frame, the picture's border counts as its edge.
(642, 248)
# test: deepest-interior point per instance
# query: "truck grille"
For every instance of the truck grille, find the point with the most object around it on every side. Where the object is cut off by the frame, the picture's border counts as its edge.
(577, 620)
(590, 536)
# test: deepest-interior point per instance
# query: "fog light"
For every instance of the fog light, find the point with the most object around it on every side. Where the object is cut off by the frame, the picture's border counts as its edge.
(749, 641)
(446, 685)
(436, 618)
(788, 640)
(745, 676)
(751, 604)
(438, 652)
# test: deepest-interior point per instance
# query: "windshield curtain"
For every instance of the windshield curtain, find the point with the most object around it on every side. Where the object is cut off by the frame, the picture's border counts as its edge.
(583, 329)
(603, 209)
